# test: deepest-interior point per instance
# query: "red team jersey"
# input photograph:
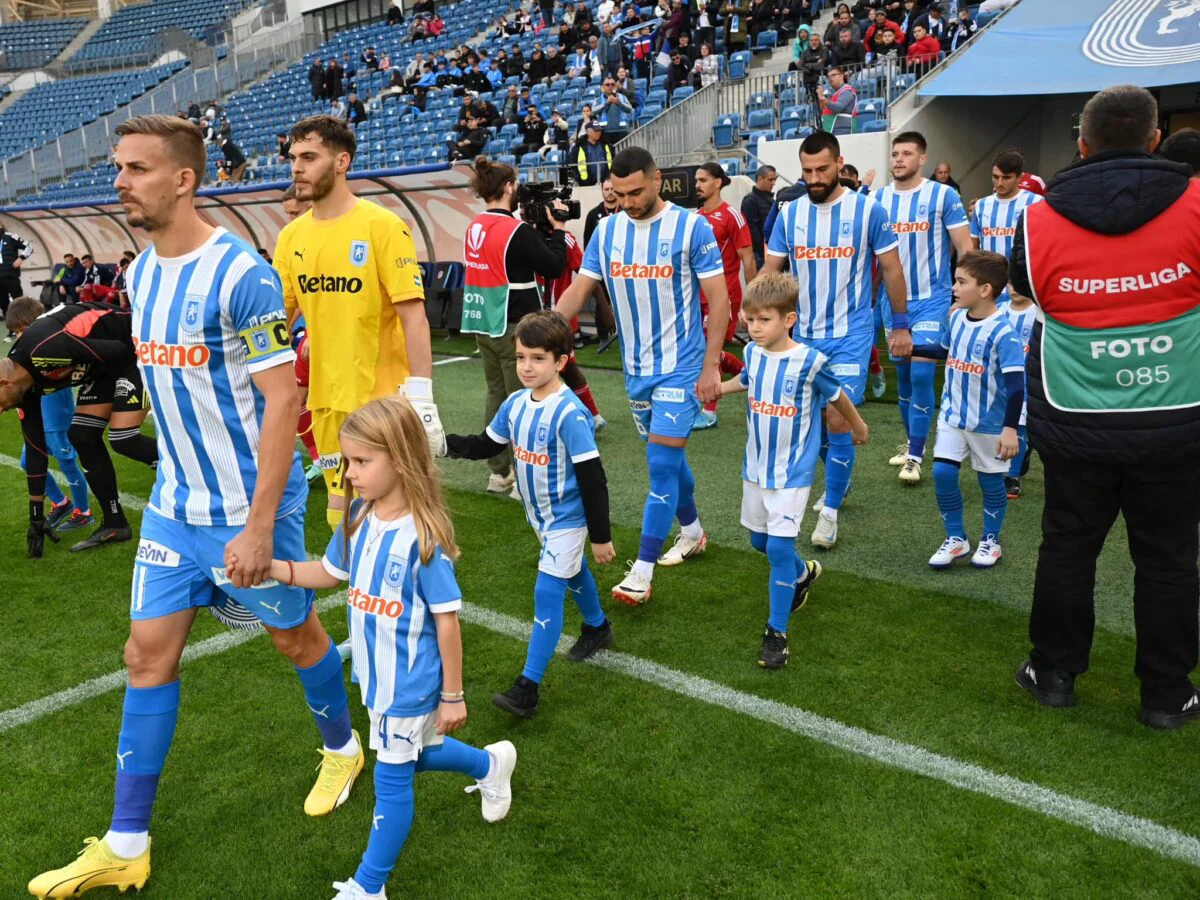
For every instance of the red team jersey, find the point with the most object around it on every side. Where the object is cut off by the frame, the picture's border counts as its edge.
(733, 234)
(559, 286)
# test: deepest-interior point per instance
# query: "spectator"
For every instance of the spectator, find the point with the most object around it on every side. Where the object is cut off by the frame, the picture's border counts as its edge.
(757, 204)
(475, 79)
(762, 18)
(417, 31)
(71, 277)
(792, 14)
(436, 26)
(567, 37)
(591, 157)
(337, 108)
(485, 112)
(546, 7)
(95, 274)
(357, 111)
(706, 21)
(625, 85)
(617, 112)
(812, 65)
(936, 25)
(842, 21)
(941, 173)
(678, 72)
(523, 103)
(847, 51)
(558, 132)
(887, 49)
(687, 49)
(594, 64)
(579, 66)
(611, 56)
(316, 81)
(799, 45)
(395, 16)
(495, 75)
(673, 27)
(470, 144)
(535, 69)
(961, 30)
(369, 60)
(509, 113)
(882, 23)
(1183, 147)
(234, 158)
(586, 117)
(556, 64)
(193, 110)
(424, 7)
(643, 51)
(282, 148)
(923, 52)
(349, 71)
(533, 133)
(908, 20)
(841, 104)
(333, 79)
(415, 67)
(849, 177)
(707, 68)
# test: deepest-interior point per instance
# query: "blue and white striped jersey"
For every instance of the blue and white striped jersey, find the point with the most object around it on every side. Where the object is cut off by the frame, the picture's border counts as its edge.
(548, 437)
(783, 414)
(921, 220)
(980, 351)
(202, 325)
(652, 270)
(994, 222)
(1021, 322)
(832, 248)
(390, 598)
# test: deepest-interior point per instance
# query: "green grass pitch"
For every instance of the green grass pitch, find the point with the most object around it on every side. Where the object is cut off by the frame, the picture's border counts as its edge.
(623, 788)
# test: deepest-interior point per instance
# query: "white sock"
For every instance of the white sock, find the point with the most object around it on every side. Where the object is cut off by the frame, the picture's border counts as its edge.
(491, 766)
(644, 569)
(692, 532)
(829, 512)
(914, 457)
(350, 748)
(128, 844)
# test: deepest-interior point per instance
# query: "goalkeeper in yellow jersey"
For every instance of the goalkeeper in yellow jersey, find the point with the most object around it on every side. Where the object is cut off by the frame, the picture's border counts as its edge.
(350, 266)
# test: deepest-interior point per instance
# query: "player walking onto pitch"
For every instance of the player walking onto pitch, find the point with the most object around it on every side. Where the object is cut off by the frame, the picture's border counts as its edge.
(830, 236)
(928, 220)
(788, 383)
(995, 217)
(350, 267)
(561, 481)
(981, 407)
(737, 257)
(655, 258)
(396, 549)
(210, 334)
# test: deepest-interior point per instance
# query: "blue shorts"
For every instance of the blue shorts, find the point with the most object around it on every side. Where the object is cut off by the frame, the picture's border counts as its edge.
(849, 358)
(928, 321)
(180, 566)
(665, 405)
(58, 409)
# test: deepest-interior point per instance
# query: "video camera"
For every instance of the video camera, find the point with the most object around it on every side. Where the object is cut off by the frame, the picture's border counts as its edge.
(535, 198)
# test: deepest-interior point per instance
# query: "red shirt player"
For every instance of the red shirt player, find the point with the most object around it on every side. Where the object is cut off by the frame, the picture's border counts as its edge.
(572, 375)
(737, 254)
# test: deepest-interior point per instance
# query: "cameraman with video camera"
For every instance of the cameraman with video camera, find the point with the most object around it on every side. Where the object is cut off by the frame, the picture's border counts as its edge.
(503, 254)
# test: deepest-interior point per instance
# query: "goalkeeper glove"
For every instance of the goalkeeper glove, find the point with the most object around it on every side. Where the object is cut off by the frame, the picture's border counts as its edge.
(39, 530)
(419, 392)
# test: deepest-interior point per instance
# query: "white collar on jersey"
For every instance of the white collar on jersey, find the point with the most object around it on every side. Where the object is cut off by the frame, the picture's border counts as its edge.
(562, 387)
(194, 255)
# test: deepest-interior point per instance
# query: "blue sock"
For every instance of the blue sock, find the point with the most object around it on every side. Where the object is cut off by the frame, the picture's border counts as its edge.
(921, 409)
(685, 509)
(1016, 469)
(53, 492)
(781, 551)
(548, 592)
(758, 540)
(68, 462)
(838, 468)
(949, 497)
(325, 693)
(452, 755)
(147, 726)
(664, 464)
(904, 389)
(824, 452)
(390, 824)
(587, 598)
(995, 503)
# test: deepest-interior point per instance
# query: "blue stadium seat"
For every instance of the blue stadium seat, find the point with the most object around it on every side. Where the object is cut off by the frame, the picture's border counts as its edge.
(760, 119)
(738, 64)
(767, 41)
(724, 132)
(874, 125)
(681, 93)
(761, 100)
(731, 165)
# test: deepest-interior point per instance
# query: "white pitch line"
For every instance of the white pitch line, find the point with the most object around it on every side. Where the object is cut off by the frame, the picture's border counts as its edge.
(1098, 819)
(102, 684)
(442, 362)
(132, 501)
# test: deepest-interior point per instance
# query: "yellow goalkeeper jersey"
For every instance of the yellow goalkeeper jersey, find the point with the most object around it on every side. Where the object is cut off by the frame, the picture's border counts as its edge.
(344, 274)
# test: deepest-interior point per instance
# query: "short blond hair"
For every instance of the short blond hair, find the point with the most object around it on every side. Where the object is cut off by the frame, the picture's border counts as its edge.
(772, 290)
(185, 141)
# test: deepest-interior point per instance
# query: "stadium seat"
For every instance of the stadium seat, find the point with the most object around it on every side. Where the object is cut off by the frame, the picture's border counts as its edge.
(761, 100)
(681, 93)
(873, 126)
(760, 119)
(731, 165)
(724, 132)
(738, 64)
(767, 41)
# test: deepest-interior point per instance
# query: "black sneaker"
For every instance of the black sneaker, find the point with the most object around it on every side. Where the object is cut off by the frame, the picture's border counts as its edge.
(1012, 487)
(774, 653)
(1049, 688)
(58, 513)
(805, 584)
(521, 699)
(1169, 720)
(592, 639)
(104, 535)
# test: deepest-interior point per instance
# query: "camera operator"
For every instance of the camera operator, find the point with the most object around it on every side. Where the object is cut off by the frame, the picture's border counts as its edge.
(470, 142)
(533, 133)
(502, 255)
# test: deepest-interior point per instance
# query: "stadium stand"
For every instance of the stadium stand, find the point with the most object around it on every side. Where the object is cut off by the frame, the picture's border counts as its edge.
(29, 45)
(131, 29)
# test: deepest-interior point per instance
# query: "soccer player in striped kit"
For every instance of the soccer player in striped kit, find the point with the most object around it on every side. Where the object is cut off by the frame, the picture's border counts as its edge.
(831, 237)
(211, 339)
(995, 217)
(788, 383)
(928, 220)
(654, 259)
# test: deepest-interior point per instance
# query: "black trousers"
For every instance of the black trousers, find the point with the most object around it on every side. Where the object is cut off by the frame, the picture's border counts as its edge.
(1161, 506)
(10, 289)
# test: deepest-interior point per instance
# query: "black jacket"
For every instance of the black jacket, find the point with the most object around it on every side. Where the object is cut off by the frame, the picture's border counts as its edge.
(1110, 193)
(12, 246)
(756, 205)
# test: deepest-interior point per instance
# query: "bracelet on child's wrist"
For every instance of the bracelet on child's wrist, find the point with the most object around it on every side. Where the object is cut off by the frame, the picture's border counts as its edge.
(459, 700)
(291, 573)
(452, 695)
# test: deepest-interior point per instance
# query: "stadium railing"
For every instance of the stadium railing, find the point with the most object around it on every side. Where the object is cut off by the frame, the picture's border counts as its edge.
(79, 149)
(679, 129)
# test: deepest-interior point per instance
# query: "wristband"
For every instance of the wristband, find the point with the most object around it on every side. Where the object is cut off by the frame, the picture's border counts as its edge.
(37, 510)
(418, 388)
(452, 695)
(454, 701)
(291, 574)
(900, 321)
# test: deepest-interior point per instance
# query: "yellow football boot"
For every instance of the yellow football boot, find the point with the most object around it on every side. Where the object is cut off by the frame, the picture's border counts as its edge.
(336, 777)
(96, 866)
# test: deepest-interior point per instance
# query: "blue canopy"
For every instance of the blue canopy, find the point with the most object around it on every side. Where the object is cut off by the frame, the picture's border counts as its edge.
(1076, 47)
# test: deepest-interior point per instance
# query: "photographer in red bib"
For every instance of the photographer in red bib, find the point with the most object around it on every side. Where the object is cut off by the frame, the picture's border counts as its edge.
(1112, 258)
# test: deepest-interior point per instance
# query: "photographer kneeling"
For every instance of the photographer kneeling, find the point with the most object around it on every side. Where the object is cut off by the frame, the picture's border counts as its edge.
(502, 254)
